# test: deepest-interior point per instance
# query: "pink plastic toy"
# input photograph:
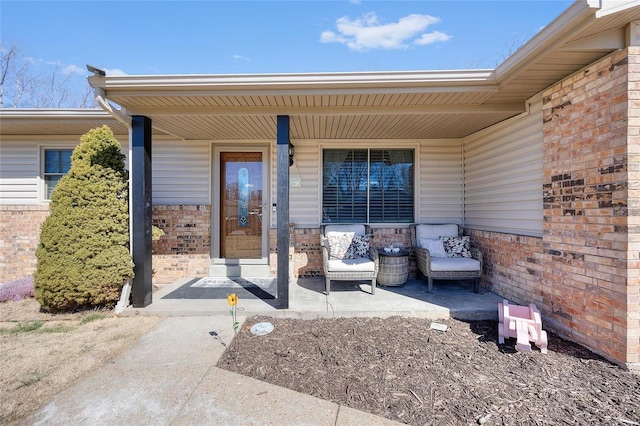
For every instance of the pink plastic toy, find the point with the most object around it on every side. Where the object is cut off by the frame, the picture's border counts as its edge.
(522, 322)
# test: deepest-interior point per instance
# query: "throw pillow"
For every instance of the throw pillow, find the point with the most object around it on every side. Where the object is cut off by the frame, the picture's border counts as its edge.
(457, 246)
(435, 247)
(359, 247)
(339, 245)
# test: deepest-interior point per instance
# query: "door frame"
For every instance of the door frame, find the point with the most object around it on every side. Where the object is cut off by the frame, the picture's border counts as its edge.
(215, 210)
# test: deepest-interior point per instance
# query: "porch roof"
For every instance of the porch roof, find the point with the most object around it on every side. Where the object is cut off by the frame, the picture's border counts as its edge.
(366, 105)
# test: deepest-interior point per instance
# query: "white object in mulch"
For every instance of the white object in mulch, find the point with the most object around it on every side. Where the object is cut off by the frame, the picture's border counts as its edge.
(522, 322)
(438, 326)
(262, 328)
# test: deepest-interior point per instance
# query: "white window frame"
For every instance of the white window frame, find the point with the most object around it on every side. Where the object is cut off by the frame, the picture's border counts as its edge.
(376, 145)
(43, 174)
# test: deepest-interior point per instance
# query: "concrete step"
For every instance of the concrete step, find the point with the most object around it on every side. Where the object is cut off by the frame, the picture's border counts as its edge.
(239, 270)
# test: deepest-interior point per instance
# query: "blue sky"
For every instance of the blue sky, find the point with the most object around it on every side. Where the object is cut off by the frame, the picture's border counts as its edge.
(240, 37)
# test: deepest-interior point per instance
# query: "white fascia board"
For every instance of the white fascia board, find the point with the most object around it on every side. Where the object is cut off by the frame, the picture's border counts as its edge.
(48, 114)
(547, 38)
(293, 82)
(610, 40)
(608, 7)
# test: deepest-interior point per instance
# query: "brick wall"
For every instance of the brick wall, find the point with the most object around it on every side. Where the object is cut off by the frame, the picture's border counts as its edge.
(307, 253)
(512, 265)
(184, 250)
(19, 237)
(633, 219)
(590, 152)
(306, 256)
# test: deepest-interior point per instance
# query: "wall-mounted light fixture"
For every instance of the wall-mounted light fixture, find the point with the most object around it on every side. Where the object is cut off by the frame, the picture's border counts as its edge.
(292, 151)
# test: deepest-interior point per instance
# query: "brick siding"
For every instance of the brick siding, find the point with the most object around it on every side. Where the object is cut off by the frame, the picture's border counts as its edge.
(589, 286)
(512, 265)
(19, 237)
(633, 199)
(184, 250)
(307, 252)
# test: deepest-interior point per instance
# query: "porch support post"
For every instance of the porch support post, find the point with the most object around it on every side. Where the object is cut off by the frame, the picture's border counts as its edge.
(282, 243)
(141, 210)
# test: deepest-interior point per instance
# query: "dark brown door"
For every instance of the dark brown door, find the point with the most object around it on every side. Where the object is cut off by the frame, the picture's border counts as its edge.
(241, 205)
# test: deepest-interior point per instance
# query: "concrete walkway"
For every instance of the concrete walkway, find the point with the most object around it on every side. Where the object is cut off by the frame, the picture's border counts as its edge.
(169, 377)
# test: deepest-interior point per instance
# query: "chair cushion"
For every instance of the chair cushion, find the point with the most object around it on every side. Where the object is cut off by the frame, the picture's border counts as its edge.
(435, 247)
(339, 244)
(360, 264)
(348, 246)
(354, 228)
(457, 246)
(359, 247)
(436, 231)
(455, 264)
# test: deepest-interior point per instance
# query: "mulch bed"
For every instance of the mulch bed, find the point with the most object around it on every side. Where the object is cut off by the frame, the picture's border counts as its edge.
(401, 369)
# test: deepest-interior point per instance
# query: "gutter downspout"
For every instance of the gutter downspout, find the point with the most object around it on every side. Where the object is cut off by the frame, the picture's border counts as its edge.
(122, 118)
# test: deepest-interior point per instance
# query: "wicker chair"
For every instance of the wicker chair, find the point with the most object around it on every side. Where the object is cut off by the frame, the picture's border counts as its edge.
(444, 268)
(363, 268)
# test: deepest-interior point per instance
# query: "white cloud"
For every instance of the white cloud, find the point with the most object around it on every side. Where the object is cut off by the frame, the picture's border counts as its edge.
(74, 69)
(114, 71)
(240, 58)
(366, 32)
(432, 38)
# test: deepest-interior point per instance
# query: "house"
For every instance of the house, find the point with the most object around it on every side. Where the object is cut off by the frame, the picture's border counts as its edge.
(538, 159)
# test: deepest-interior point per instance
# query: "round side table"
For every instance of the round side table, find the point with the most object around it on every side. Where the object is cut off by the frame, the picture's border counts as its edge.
(394, 268)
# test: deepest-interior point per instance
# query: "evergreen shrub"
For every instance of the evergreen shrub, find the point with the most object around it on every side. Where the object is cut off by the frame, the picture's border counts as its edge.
(83, 256)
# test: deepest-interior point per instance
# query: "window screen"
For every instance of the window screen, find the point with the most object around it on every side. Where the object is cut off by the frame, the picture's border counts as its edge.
(370, 186)
(57, 163)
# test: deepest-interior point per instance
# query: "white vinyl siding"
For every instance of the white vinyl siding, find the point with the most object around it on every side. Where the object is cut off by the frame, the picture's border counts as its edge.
(503, 175)
(22, 169)
(304, 201)
(440, 190)
(180, 172)
(19, 172)
(22, 166)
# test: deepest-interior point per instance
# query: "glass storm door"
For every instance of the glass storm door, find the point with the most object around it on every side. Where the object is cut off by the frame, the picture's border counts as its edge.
(241, 205)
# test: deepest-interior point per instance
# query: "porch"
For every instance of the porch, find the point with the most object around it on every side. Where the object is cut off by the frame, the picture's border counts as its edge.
(449, 299)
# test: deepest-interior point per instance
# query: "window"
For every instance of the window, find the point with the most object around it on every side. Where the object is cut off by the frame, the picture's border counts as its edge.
(368, 185)
(57, 163)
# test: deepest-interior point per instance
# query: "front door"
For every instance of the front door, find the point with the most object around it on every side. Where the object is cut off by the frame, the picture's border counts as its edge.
(241, 202)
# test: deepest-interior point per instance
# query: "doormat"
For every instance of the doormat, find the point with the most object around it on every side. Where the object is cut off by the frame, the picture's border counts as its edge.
(220, 288)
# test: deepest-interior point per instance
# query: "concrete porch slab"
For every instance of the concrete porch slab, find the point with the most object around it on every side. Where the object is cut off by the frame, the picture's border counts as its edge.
(449, 299)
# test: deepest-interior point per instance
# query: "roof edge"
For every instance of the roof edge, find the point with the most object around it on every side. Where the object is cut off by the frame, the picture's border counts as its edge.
(293, 80)
(547, 38)
(609, 7)
(37, 113)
